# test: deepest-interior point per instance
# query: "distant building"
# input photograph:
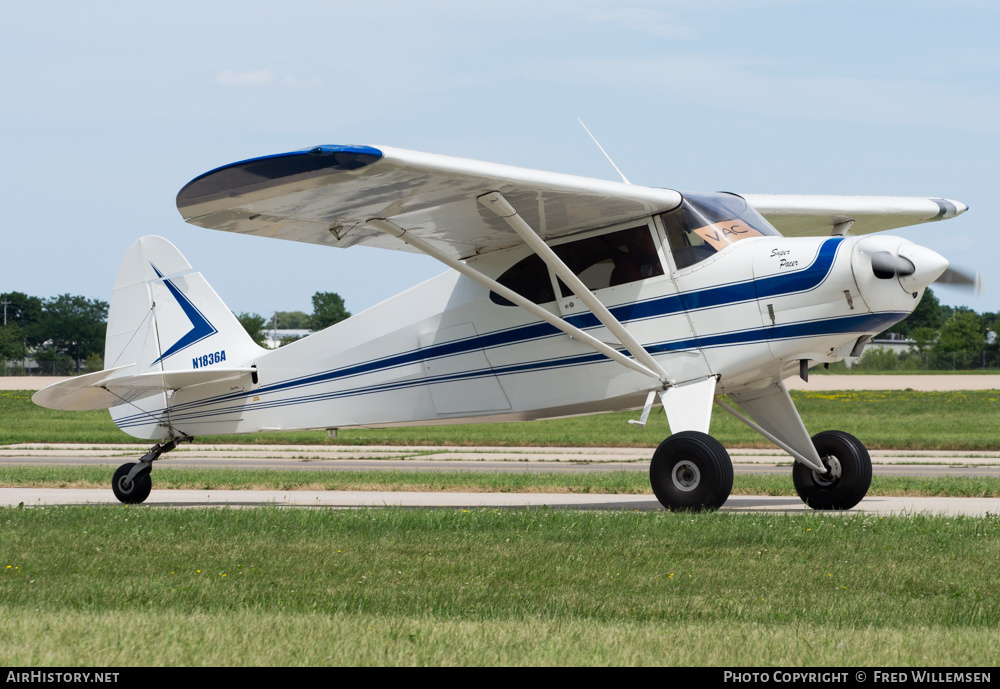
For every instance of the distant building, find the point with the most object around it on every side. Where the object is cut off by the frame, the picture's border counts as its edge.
(890, 341)
(893, 342)
(276, 338)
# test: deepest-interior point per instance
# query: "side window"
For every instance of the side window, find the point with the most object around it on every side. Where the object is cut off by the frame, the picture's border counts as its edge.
(603, 261)
(687, 246)
(611, 259)
(529, 277)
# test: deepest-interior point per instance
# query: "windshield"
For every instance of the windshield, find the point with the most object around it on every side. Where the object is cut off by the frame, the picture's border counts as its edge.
(704, 224)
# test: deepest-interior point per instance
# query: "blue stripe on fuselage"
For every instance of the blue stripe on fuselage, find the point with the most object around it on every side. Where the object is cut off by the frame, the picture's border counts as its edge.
(818, 328)
(806, 279)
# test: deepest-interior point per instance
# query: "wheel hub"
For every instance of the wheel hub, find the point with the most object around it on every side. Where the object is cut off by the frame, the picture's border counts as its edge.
(833, 471)
(686, 476)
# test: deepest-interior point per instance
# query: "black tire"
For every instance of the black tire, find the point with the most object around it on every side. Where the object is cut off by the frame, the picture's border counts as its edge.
(835, 493)
(691, 471)
(131, 493)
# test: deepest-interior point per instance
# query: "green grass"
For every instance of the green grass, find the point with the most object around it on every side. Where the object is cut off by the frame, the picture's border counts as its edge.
(882, 419)
(843, 370)
(613, 483)
(112, 586)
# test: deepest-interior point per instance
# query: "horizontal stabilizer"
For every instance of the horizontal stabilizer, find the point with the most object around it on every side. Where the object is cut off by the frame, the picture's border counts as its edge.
(105, 389)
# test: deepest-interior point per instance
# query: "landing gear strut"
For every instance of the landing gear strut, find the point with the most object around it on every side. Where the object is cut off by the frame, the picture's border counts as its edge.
(691, 471)
(131, 483)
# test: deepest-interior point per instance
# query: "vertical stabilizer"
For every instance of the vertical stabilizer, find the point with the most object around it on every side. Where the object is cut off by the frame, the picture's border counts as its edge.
(164, 316)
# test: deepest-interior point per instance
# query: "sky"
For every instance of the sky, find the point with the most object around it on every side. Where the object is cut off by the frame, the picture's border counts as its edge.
(109, 108)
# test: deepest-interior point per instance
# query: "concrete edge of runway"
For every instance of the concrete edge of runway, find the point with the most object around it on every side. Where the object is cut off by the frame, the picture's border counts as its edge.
(877, 505)
(575, 455)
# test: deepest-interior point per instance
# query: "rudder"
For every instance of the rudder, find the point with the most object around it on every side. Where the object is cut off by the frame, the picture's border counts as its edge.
(167, 331)
(164, 316)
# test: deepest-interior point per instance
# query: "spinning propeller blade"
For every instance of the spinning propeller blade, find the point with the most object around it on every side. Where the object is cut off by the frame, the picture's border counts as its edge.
(962, 278)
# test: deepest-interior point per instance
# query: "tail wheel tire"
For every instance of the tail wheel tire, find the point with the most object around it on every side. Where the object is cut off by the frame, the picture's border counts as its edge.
(848, 477)
(131, 492)
(691, 471)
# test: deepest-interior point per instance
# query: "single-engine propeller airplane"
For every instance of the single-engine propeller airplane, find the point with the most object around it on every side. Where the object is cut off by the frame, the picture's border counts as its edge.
(566, 295)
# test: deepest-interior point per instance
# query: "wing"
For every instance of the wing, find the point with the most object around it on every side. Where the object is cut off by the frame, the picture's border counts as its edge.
(803, 216)
(326, 194)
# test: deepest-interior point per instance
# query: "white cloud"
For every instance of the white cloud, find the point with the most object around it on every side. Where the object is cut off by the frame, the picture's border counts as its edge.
(264, 79)
(246, 80)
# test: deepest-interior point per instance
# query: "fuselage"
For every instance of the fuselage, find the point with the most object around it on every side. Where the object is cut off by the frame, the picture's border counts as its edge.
(746, 311)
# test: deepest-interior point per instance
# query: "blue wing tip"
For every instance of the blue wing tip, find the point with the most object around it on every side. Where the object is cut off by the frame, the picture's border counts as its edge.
(265, 171)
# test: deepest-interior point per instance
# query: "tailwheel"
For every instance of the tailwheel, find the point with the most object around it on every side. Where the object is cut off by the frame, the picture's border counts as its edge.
(691, 471)
(848, 477)
(131, 491)
(131, 482)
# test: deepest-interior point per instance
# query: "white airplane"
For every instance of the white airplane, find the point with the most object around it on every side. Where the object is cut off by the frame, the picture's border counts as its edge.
(565, 295)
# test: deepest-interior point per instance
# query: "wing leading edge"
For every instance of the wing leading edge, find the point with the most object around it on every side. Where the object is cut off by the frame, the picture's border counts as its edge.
(804, 215)
(326, 194)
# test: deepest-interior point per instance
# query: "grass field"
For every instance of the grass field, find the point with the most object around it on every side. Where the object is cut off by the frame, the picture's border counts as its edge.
(882, 419)
(114, 586)
(126, 586)
(613, 483)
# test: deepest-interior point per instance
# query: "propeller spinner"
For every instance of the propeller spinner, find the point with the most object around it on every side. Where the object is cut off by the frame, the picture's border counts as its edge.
(917, 267)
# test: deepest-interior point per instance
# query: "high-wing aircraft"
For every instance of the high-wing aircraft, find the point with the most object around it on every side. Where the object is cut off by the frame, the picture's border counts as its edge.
(565, 295)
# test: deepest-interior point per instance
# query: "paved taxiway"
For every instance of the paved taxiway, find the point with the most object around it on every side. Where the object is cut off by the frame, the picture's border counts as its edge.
(505, 459)
(883, 506)
(334, 458)
(491, 459)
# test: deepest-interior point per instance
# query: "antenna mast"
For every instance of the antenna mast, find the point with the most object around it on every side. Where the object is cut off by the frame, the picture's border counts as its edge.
(594, 139)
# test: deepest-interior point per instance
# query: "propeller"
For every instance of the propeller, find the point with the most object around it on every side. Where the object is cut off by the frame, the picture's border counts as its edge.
(963, 279)
(887, 265)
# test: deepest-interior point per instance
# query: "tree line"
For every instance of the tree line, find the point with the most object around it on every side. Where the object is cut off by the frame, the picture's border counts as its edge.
(328, 308)
(64, 335)
(942, 338)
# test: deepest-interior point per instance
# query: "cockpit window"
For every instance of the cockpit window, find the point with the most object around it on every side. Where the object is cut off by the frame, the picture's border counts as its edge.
(600, 261)
(529, 277)
(704, 224)
(611, 259)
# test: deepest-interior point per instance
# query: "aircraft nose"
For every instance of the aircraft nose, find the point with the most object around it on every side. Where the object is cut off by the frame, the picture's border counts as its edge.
(928, 266)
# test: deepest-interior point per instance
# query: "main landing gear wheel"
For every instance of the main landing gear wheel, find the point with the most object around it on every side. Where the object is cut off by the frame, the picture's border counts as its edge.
(131, 492)
(691, 471)
(848, 478)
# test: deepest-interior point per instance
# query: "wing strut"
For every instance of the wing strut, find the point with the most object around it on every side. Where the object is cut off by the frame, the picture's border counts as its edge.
(391, 228)
(499, 205)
